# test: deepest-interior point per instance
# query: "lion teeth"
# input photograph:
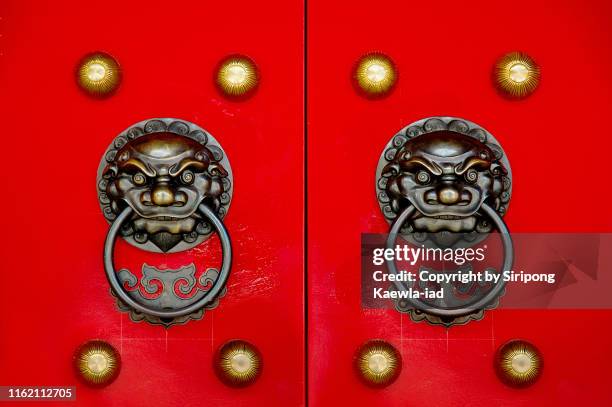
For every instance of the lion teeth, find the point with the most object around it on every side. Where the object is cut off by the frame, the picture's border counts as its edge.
(167, 218)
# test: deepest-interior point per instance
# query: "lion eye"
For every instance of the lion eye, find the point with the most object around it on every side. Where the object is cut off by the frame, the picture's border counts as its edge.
(423, 177)
(471, 175)
(187, 177)
(139, 178)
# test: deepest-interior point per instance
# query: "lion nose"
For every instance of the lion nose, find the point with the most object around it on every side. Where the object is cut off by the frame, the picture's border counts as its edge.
(162, 195)
(448, 195)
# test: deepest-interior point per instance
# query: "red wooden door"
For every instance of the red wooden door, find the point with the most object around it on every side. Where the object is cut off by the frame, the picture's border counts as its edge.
(444, 52)
(55, 295)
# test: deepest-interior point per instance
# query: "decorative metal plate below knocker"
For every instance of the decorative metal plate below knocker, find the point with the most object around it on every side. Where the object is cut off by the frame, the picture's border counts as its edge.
(446, 182)
(165, 185)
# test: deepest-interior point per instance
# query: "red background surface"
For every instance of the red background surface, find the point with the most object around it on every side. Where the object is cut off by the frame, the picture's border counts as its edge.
(558, 145)
(54, 294)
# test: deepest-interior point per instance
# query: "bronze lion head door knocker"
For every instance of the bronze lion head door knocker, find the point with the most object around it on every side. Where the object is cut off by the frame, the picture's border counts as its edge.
(164, 185)
(445, 182)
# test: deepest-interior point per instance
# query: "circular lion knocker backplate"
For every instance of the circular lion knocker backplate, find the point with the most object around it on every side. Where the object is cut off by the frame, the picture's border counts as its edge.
(445, 181)
(165, 185)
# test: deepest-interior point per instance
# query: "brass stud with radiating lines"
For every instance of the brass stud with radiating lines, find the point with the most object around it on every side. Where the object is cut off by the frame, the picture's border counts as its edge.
(238, 363)
(237, 76)
(375, 75)
(516, 75)
(97, 363)
(378, 363)
(98, 74)
(518, 363)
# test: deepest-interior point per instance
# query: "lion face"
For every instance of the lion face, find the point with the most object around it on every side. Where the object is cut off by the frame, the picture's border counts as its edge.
(164, 177)
(446, 176)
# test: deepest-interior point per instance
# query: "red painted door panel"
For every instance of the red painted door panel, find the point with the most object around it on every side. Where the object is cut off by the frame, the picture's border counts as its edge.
(444, 52)
(54, 293)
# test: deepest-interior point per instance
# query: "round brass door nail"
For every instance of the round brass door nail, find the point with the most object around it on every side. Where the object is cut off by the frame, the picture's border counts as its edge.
(237, 76)
(375, 74)
(97, 363)
(238, 363)
(518, 363)
(98, 74)
(516, 75)
(378, 363)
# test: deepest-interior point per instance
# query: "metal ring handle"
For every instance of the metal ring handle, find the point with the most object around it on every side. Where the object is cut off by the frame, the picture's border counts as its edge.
(226, 246)
(484, 301)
